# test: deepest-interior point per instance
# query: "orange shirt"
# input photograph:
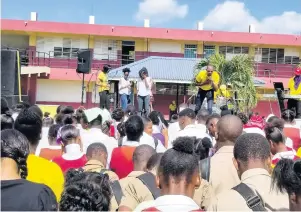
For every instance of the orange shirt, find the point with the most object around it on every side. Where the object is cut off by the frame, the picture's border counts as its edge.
(49, 153)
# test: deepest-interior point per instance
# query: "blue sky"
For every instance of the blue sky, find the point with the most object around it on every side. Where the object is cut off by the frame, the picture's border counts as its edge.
(276, 16)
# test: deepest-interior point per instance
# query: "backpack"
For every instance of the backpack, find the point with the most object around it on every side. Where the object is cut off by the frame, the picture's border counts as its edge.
(204, 166)
(153, 209)
(116, 188)
(148, 179)
(253, 199)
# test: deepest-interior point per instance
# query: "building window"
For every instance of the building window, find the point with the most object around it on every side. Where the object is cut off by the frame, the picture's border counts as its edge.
(230, 51)
(190, 51)
(271, 55)
(68, 50)
(105, 49)
(209, 50)
(292, 60)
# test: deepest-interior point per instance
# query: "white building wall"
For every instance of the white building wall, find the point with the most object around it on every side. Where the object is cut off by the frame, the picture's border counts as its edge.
(291, 52)
(47, 44)
(59, 91)
(160, 46)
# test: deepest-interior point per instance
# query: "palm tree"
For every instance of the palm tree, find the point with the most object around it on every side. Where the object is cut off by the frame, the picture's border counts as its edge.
(239, 73)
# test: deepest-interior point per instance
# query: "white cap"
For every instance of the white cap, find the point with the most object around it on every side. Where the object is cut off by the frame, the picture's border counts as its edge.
(91, 19)
(33, 16)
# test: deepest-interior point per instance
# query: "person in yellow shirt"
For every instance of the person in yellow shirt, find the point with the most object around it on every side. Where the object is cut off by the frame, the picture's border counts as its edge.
(208, 82)
(172, 109)
(104, 87)
(40, 170)
(294, 86)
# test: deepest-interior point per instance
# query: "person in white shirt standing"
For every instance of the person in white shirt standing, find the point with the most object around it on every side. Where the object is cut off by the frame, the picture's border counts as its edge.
(144, 87)
(124, 88)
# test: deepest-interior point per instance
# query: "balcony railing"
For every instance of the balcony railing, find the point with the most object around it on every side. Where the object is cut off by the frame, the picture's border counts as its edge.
(36, 58)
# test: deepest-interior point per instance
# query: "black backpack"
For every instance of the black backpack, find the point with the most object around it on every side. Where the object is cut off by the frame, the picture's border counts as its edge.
(204, 166)
(253, 199)
(116, 188)
(148, 179)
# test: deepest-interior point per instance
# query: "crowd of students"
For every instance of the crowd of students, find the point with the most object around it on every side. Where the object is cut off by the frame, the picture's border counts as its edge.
(94, 160)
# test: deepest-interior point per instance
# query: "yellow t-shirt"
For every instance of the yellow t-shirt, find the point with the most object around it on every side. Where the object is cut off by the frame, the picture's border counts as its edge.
(172, 107)
(102, 79)
(291, 86)
(202, 77)
(45, 172)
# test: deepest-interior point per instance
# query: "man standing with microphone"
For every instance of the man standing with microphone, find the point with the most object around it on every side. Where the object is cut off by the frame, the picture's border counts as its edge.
(104, 87)
(208, 82)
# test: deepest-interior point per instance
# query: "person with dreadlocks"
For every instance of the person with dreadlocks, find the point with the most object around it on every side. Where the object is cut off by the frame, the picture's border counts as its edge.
(104, 87)
(295, 89)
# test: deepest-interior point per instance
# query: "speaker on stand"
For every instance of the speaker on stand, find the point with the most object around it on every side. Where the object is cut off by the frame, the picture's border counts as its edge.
(84, 62)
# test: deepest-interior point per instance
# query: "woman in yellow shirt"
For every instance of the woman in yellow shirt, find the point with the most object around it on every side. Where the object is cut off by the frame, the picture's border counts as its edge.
(208, 81)
(40, 170)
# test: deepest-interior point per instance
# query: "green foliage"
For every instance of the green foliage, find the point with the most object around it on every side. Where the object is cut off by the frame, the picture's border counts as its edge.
(238, 72)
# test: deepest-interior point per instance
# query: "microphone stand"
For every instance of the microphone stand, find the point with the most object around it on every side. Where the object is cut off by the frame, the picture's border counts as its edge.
(95, 86)
(89, 86)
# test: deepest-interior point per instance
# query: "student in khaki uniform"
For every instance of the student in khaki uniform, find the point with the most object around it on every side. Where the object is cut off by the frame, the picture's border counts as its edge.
(223, 175)
(97, 156)
(136, 192)
(177, 177)
(289, 181)
(140, 158)
(252, 160)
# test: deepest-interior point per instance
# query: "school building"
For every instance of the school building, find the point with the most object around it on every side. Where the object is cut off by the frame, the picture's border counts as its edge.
(49, 57)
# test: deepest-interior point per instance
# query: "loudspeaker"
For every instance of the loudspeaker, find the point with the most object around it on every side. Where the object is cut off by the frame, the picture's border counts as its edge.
(84, 60)
(9, 72)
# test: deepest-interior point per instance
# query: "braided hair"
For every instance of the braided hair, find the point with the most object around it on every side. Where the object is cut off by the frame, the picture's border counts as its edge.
(15, 145)
(86, 191)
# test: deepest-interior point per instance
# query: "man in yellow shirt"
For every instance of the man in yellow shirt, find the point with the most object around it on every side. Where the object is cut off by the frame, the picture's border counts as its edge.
(294, 86)
(172, 109)
(208, 81)
(104, 87)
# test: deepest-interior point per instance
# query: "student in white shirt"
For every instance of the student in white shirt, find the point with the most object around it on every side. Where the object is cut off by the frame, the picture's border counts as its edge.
(187, 125)
(144, 86)
(124, 87)
(94, 133)
(177, 177)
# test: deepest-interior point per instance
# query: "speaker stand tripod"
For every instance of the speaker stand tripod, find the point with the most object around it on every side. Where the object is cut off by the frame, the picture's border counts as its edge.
(83, 89)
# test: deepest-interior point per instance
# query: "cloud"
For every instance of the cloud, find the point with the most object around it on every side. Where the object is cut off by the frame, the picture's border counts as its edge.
(234, 16)
(160, 11)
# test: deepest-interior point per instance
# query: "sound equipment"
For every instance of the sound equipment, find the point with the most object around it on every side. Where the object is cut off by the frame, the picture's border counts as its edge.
(10, 73)
(84, 61)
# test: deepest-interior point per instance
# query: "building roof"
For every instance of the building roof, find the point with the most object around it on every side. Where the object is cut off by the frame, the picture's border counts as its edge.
(150, 33)
(164, 69)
